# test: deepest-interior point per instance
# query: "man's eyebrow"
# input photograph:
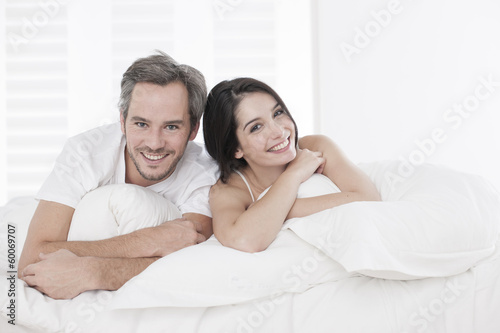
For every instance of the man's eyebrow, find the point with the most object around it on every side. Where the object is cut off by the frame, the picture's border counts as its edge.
(137, 118)
(251, 121)
(174, 122)
(168, 122)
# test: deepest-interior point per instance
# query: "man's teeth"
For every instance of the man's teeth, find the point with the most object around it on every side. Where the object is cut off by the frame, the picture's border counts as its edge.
(154, 157)
(280, 146)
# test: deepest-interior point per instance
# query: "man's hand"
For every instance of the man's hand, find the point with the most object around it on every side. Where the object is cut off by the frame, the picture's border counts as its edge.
(169, 237)
(60, 275)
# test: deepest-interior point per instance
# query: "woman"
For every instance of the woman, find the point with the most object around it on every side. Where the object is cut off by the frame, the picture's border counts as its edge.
(249, 131)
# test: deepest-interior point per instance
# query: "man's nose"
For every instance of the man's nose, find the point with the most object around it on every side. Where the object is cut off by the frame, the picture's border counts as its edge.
(155, 139)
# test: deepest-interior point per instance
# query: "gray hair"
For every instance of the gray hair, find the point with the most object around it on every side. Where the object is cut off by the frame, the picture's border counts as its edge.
(161, 69)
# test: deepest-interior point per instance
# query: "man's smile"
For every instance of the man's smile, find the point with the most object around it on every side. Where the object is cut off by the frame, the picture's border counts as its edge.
(152, 157)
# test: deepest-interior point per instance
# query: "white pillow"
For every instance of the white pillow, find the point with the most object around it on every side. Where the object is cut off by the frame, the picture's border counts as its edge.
(435, 222)
(210, 274)
(207, 274)
(118, 209)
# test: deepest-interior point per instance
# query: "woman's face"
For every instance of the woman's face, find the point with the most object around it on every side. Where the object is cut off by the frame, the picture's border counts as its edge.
(265, 132)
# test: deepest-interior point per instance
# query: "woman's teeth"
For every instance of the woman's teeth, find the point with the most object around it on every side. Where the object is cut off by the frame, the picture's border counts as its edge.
(280, 146)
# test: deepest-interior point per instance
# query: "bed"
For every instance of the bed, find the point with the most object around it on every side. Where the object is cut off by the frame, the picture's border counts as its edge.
(425, 259)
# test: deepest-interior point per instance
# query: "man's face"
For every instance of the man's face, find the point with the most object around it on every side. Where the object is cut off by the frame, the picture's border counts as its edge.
(157, 130)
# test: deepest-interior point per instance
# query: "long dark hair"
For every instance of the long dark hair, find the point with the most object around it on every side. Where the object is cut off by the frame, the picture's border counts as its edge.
(219, 121)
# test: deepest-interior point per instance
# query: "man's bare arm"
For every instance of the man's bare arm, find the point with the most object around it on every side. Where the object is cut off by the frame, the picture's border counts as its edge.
(50, 225)
(204, 221)
(64, 275)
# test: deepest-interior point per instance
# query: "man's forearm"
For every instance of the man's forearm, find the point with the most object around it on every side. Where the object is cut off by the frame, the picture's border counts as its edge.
(123, 246)
(112, 273)
(64, 275)
(49, 229)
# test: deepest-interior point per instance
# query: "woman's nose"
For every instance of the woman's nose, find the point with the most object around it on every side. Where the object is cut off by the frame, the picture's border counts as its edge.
(277, 130)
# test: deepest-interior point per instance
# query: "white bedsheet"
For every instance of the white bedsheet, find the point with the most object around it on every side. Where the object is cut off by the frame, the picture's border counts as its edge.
(299, 284)
(466, 303)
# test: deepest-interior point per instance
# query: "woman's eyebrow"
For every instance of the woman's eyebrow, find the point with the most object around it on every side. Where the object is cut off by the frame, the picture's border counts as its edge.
(251, 121)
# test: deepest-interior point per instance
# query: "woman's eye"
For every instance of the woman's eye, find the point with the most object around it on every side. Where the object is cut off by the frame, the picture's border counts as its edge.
(278, 112)
(254, 128)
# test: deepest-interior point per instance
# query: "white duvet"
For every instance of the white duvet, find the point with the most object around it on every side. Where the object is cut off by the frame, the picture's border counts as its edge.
(424, 260)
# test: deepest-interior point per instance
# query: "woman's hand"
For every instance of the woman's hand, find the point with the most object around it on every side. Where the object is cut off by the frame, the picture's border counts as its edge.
(305, 164)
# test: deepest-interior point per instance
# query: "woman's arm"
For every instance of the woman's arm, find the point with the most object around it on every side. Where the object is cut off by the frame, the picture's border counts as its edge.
(253, 228)
(354, 184)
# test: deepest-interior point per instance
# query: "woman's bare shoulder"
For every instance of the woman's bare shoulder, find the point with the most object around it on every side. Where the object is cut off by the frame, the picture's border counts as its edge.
(234, 190)
(316, 142)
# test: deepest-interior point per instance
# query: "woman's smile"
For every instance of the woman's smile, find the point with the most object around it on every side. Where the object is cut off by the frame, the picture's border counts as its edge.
(281, 146)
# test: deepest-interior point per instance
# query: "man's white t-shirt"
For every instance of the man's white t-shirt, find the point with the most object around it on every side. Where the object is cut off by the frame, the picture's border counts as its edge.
(97, 157)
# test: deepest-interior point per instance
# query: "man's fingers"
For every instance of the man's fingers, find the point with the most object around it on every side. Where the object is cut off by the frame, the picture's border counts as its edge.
(198, 226)
(200, 239)
(30, 280)
(29, 270)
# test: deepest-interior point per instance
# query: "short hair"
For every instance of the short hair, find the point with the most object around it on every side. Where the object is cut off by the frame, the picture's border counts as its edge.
(219, 121)
(161, 69)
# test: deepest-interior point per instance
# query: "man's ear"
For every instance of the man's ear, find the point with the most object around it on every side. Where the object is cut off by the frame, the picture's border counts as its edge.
(122, 121)
(194, 131)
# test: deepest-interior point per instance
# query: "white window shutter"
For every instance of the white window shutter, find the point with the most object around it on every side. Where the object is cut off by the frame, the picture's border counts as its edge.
(245, 41)
(36, 92)
(3, 128)
(64, 76)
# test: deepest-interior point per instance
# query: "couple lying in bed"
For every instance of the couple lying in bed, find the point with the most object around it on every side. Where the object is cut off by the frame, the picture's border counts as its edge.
(248, 131)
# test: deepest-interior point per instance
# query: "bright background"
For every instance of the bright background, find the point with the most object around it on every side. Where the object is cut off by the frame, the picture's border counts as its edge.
(384, 79)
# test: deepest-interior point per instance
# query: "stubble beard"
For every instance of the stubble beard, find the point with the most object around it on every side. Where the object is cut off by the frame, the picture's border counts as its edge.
(149, 177)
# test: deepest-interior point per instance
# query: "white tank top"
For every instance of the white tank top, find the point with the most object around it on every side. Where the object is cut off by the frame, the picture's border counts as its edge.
(246, 183)
(316, 185)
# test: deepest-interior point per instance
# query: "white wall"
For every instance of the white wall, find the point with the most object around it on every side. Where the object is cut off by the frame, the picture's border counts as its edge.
(417, 81)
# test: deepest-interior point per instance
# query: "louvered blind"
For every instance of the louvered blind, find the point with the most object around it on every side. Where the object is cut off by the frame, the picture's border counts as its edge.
(36, 92)
(245, 41)
(3, 143)
(138, 28)
(64, 61)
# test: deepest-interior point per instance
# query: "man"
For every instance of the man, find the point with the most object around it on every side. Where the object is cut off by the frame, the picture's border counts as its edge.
(161, 104)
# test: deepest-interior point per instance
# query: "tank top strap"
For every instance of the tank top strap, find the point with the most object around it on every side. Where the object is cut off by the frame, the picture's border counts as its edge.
(246, 183)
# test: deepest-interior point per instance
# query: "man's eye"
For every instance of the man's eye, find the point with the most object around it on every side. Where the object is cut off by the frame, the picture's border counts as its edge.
(139, 124)
(171, 127)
